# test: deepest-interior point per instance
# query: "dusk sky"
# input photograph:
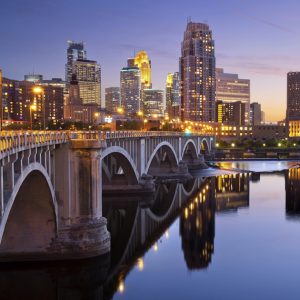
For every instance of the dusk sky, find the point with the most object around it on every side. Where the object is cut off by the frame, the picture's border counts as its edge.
(258, 39)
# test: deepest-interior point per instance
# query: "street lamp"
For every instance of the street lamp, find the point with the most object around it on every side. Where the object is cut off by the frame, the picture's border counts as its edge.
(31, 108)
(120, 110)
(96, 115)
(37, 90)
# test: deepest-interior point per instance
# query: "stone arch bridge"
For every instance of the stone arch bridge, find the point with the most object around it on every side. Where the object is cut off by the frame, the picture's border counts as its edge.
(51, 185)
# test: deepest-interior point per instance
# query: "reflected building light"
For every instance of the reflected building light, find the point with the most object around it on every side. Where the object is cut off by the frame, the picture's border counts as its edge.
(121, 287)
(140, 264)
(167, 234)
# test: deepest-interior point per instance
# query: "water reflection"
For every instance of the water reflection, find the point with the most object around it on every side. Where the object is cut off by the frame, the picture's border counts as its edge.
(292, 189)
(136, 227)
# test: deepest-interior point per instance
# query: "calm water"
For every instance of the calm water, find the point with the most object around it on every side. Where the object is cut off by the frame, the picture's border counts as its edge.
(235, 236)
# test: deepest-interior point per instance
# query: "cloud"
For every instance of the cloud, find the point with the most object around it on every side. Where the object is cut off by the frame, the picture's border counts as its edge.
(277, 65)
(268, 23)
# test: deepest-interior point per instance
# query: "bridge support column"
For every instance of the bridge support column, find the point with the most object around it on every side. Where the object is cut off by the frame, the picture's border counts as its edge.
(82, 230)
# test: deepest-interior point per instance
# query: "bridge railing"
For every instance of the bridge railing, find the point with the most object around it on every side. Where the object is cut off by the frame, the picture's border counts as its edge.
(10, 140)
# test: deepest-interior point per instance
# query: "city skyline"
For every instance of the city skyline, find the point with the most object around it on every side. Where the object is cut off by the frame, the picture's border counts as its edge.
(247, 40)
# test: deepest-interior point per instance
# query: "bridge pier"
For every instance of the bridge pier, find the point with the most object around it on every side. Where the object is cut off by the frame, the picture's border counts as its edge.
(82, 230)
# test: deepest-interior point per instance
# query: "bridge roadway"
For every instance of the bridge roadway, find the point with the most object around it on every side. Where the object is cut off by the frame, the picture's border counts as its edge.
(51, 185)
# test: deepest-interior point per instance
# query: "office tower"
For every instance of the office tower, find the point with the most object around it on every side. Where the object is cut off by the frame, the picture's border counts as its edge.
(75, 110)
(142, 61)
(153, 103)
(130, 88)
(75, 51)
(112, 99)
(231, 113)
(197, 74)
(173, 95)
(293, 104)
(88, 74)
(230, 88)
(255, 113)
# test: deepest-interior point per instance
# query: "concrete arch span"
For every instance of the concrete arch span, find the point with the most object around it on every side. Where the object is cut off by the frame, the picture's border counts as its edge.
(205, 147)
(118, 167)
(29, 224)
(162, 160)
(189, 152)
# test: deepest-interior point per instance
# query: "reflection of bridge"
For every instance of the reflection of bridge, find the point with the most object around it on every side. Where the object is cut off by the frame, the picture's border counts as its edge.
(51, 185)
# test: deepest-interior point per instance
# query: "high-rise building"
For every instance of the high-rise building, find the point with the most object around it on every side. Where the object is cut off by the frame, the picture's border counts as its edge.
(231, 113)
(293, 104)
(75, 51)
(88, 74)
(130, 90)
(255, 113)
(173, 95)
(142, 61)
(197, 73)
(230, 88)
(75, 110)
(112, 99)
(153, 103)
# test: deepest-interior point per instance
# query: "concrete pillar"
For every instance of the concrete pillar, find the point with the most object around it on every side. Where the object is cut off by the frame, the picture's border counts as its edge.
(179, 149)
(82, 230)
(142, 157)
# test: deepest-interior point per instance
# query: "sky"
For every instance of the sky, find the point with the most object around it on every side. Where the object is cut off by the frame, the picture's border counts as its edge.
(258, 39)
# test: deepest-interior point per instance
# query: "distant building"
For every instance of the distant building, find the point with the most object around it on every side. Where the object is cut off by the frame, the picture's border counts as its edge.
(33, 77)
(230, 88)
(142, 61)
(293, 104)
(75, 110)
(75, 51)
(130, 90)
(231, 113)
(173, 95)
(112, 99)
(197, 73)
(256, 113)
(153, 103)
(20, 96)
(88, 74)
(270, 131)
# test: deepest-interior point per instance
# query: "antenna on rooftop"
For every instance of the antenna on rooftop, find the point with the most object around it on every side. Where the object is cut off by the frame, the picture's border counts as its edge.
(189, 19)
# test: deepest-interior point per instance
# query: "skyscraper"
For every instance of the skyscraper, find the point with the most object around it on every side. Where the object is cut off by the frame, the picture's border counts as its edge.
(255, 113)
(153, 102)
(88, 74)
(75, 51)
(293, 104)
(112, 99)
(130, 90)
(230, 88)
(173, 95)
(231, 113)
(197, 73)
(142, 61)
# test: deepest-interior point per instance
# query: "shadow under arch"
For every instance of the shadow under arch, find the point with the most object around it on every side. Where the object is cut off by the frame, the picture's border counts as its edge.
(204, 147)
(189, 187)
(162, 161)
(118, 167)
(30, 222)
(189, 152)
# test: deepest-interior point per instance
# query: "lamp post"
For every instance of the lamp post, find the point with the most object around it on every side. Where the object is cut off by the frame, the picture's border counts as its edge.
(96, 116)
(37, 90)
(31, 108)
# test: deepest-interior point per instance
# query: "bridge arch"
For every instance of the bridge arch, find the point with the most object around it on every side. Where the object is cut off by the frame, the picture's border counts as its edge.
(166, 148)
(29, 223)
(204, 146)
(189, 151)
(124, 160)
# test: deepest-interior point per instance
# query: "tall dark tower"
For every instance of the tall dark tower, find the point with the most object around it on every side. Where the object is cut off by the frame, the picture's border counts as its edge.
(293, 104)
(197, 73)
(75, 51)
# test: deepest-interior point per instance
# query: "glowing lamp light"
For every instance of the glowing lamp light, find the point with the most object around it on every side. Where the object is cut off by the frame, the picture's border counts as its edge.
(33, 107)
(121, 287)
(187, 131)
(217, 145)
(108, 119)
(120, 110)
(140, 264)
(140, 113)
(233, 145)
(279, 144)
(37, 90)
